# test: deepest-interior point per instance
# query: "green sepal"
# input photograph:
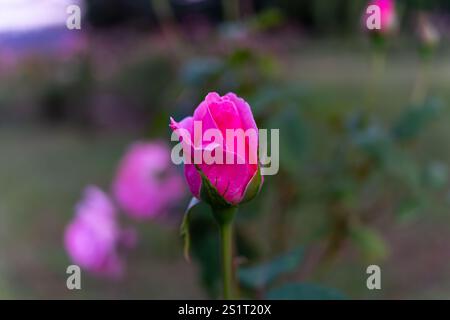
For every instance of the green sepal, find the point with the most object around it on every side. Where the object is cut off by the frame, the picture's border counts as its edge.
(210, 194)
(253, 187)
(184, 228)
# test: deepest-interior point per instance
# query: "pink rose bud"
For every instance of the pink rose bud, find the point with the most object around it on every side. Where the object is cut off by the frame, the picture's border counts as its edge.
(226, 183)
(93, 237)
(146, 183)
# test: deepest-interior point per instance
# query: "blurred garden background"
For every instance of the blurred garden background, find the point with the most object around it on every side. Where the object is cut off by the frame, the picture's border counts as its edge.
(364, 138)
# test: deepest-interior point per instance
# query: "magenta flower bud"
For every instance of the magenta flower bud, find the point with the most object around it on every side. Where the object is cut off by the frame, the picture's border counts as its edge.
(236, 178)
(146, 184)
(93, 237)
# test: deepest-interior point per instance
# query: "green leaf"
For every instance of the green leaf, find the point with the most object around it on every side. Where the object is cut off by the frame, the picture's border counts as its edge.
(204, 244)
(415, 119)
(304, 291)
(369, 136)
(253, 187)
(409, 208)
(292, 137)
(198, 72)
(206, 255)
(184, 229)
(408, 174)
(436, 175)
(372, 246)
(268, 19)
(240, 57)
(261, 276)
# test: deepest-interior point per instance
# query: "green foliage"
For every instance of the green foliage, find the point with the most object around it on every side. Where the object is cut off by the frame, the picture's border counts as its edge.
(414, 120)
(369, 242)
(409, 208)
(184, 229)
(353, 162)
(261, 276)
(436, 175)
(199, 72)
(243, 71)
(268, 19)
(341, 158)
(148, 82)
(293, 137)
(204, 244)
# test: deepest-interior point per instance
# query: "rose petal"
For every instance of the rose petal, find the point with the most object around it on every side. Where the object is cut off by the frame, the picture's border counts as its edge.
(230, 180)
(187, 123)
(212, 97)
(193, 178)
(244, 110)
(248, 123)
(225, 115)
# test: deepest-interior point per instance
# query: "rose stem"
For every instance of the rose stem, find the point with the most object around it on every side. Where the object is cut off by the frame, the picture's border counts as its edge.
(225, 219)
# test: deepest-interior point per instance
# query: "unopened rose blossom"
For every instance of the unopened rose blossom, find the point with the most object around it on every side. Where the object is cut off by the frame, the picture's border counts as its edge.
(230, 179)
(227, 173)
(147, 184)
(93, 237)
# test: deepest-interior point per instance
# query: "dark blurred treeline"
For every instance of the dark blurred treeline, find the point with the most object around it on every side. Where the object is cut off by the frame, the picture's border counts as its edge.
(320, 16)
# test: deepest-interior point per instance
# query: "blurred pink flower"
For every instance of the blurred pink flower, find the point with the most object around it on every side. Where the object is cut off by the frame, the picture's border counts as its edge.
(146, 184)
(93, 237)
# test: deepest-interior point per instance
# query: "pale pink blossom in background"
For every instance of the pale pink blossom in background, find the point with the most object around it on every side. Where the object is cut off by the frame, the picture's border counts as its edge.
(147, 185)
(428, 33)
(93, 237)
